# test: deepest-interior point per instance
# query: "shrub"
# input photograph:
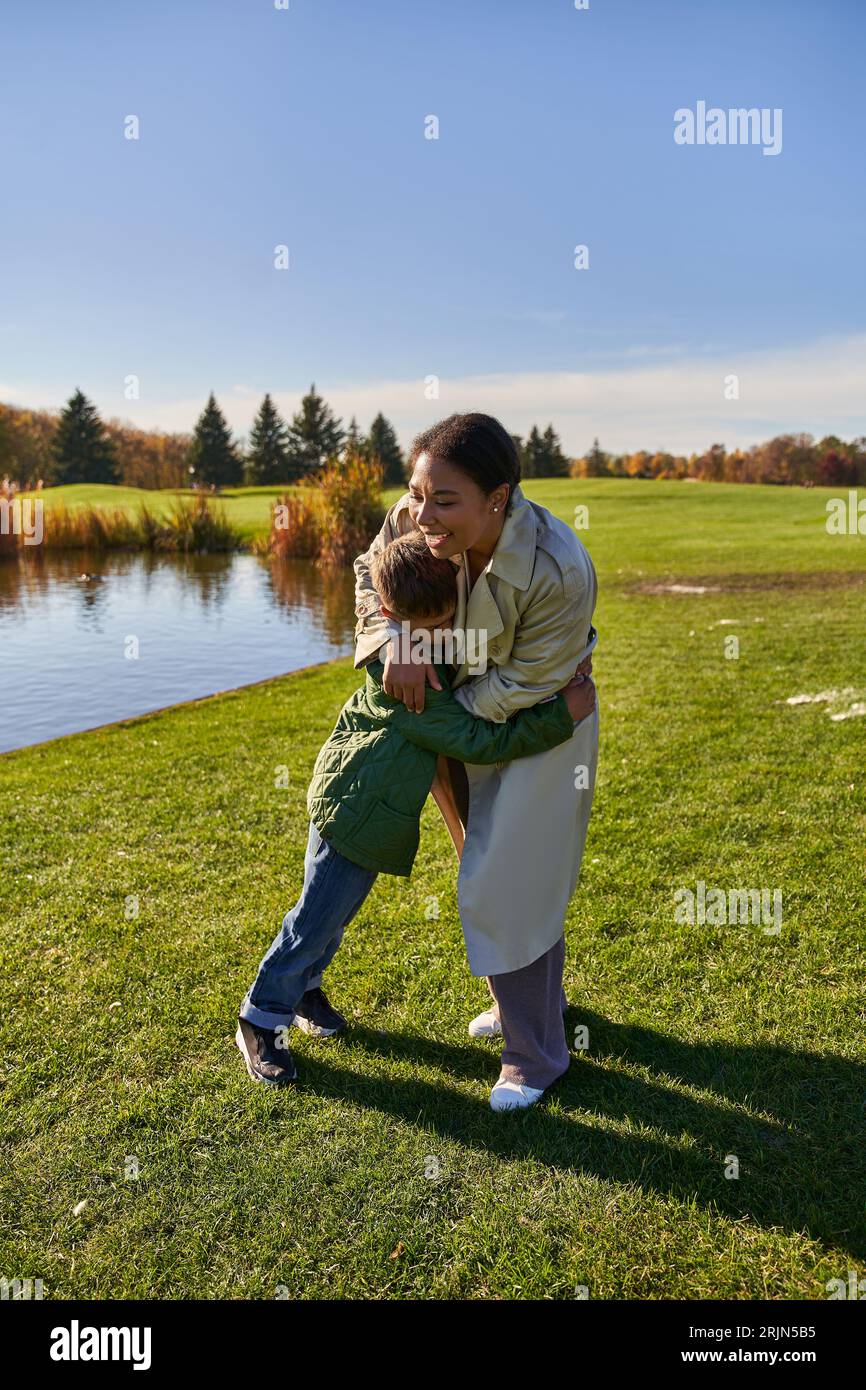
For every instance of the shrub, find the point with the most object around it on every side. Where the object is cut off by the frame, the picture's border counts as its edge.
(197, 526)
(331, 519)
(295, 528)
(351, 508)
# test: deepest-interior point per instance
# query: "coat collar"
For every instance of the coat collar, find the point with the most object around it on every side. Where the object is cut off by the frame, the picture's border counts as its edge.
(514, 557)
(512, 561)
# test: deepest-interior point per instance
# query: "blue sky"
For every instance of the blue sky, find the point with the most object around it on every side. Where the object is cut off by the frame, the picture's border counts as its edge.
(451, 258)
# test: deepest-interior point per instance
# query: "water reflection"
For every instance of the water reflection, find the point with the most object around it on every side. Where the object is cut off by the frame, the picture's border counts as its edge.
(330, 595)
(201, 624)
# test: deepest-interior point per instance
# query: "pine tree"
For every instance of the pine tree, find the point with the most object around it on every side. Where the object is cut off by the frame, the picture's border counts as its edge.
(267, 457)
(555, 462)
(532, 463)
(381, 443)
(518, 444)
(354, 444)
(83, 451)
(596, 461)
(314, 435)
(212, 454)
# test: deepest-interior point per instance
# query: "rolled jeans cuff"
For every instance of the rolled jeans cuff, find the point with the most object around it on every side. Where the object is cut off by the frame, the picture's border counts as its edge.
(263, 1018)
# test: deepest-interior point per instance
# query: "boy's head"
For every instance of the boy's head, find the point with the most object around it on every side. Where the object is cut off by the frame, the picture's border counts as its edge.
(413, 585)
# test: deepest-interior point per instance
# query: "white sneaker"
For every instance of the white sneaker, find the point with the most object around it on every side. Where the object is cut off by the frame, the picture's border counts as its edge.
(486, 1025)
(507, 1095)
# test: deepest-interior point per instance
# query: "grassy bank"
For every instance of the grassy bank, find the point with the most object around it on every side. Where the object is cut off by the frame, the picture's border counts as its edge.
(247, 510)
(648, 525)
(386, 1175)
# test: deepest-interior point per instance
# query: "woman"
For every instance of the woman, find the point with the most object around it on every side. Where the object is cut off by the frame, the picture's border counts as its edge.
(526, 594)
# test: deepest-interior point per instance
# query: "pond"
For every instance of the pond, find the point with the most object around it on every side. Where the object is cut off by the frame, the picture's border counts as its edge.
(86, 640)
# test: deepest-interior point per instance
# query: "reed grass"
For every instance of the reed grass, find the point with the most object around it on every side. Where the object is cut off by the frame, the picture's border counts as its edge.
(194, 526)
(351, 508)
(332, 519)
(295, 528)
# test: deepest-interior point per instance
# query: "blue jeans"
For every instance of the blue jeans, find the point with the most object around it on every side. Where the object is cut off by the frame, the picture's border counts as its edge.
(334, 889)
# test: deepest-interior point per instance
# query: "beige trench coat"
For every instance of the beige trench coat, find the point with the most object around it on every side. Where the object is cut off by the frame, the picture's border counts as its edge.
(527, 819)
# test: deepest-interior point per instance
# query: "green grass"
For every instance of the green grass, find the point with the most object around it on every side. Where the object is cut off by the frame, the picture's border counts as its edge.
(704, 1042)
(248, 509)
(702, 527)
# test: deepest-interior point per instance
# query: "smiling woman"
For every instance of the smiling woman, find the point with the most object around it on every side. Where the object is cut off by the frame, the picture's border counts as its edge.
(525, 582)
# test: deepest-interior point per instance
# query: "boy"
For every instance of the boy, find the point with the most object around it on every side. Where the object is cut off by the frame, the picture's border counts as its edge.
(370, 782)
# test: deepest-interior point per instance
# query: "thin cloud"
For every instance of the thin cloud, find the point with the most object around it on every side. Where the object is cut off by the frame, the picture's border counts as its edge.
(678, 405)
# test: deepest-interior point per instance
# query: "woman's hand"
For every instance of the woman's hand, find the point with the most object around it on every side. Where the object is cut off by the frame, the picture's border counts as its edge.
(406, 681)
(579, 695)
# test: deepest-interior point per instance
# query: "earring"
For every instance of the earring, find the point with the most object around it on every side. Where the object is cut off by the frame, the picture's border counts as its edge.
(496, 509)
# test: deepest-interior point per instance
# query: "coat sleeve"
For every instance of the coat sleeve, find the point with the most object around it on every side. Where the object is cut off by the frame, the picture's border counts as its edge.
(372, 629)
(445, 727)
(553, 636)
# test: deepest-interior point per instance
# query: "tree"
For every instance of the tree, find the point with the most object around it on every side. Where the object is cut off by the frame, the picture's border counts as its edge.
(83, 451)
(596, 461)
(532, 462)
(213, 455)
(637, 465)
(835, 470)
(555, 462)
(268, 457)
(314, 436)
(149, 460)
(661, 465)
(354, 443)
(381, 443)
(710, 466)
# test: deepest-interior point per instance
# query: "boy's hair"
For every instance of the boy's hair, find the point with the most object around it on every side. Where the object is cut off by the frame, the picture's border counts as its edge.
(412, 582)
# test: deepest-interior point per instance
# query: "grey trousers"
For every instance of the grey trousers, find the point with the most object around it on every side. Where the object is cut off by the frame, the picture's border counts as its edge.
(530, 1002)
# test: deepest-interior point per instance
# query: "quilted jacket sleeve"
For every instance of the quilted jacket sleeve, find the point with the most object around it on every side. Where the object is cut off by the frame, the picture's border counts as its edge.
(445, 727)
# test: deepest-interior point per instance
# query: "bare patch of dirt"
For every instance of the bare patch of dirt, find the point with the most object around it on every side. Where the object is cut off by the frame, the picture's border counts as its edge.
(755, 582)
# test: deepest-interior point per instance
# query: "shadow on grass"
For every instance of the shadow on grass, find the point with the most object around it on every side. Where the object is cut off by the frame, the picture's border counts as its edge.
(794, 1121)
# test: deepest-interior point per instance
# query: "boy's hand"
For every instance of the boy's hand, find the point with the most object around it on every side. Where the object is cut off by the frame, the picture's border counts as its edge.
(584, 669)
(579, 695)
(407, 680)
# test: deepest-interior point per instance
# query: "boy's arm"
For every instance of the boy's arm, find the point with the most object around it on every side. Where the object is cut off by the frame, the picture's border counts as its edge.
(446, 727)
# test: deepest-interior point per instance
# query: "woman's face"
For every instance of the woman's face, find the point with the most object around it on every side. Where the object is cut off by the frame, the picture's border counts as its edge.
(451, 510)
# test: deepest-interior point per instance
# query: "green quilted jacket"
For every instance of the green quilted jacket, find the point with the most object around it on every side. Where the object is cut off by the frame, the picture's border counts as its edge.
(374, 774)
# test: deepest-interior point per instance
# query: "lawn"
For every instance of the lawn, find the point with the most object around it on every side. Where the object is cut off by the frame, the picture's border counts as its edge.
(385, 1175)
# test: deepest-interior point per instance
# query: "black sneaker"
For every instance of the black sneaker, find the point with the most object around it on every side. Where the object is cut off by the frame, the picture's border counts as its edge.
(316, 1016)
(267, 1057)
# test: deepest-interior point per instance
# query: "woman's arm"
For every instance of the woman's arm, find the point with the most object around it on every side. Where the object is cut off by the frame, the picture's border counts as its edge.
(552, 640)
